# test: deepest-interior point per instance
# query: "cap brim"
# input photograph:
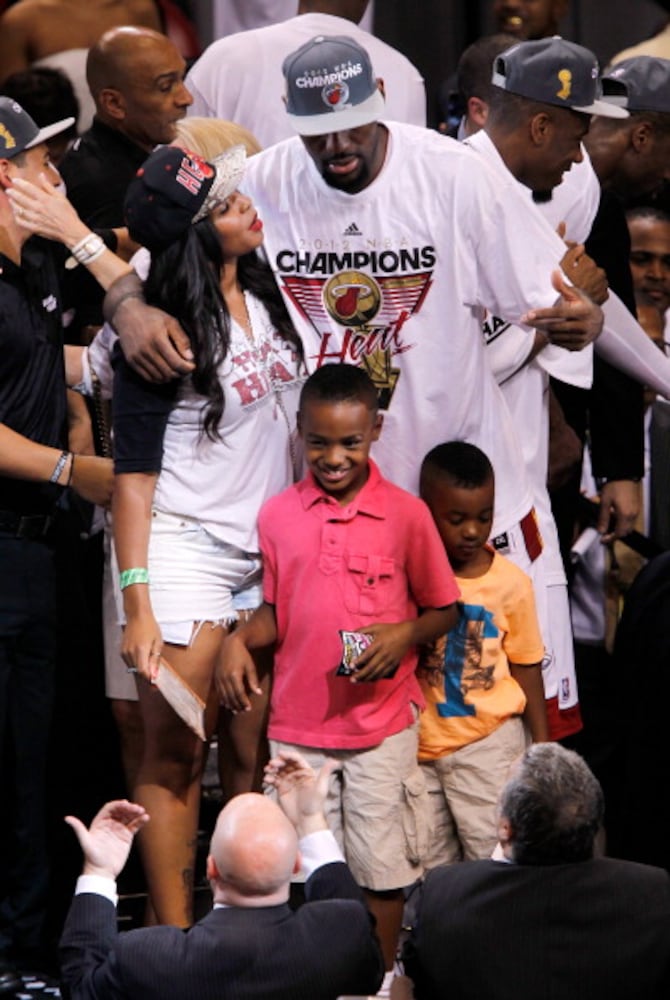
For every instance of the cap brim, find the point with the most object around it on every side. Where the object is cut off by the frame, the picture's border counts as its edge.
(229, 168)
(368, 111)
(49, 131)
(605, 109)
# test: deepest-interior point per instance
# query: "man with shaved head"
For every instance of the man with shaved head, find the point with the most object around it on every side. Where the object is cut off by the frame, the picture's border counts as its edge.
(253, 853)
(252, 944)
(136, 77)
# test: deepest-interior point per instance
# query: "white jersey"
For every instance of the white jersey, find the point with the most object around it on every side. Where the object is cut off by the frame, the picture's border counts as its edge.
(575, 203)
(239, 77)
(230, 16)
(397, 277)
(525, 387)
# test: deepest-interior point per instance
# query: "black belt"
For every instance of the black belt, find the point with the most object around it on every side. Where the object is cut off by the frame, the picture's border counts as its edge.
(34, 526)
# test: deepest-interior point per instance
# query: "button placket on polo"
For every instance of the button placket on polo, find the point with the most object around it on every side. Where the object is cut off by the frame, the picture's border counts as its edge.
(332, 543)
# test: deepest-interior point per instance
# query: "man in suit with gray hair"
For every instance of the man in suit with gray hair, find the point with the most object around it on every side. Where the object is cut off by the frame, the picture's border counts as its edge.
(546, 918)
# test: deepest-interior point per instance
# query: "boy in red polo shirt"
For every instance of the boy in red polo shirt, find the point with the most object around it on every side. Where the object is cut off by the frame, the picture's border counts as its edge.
(345, 550)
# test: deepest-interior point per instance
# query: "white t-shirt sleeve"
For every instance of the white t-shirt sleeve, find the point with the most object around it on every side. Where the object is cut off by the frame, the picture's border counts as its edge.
(515, 249)
(507, 347)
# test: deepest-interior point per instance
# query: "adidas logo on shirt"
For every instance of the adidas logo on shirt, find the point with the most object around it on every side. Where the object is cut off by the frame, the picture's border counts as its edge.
(352, 230)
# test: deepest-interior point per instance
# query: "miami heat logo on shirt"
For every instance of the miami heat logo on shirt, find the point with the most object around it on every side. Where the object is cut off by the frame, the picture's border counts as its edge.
(369, 312)
(352, 297)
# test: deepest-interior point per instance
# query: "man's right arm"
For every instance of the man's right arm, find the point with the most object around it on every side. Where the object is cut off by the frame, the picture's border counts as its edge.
(88, 475)
(88, 964)
(301, 793)
(153, 342)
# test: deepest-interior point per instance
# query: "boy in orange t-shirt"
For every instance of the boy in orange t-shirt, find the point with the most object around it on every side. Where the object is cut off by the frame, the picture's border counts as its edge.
(483, 677)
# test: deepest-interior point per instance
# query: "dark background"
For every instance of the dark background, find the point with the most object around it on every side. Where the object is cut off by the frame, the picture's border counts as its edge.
(433, 33)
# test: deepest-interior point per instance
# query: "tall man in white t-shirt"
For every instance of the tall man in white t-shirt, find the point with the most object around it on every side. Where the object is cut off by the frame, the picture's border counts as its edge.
(527, 142)
(508, 142)
(388, 243)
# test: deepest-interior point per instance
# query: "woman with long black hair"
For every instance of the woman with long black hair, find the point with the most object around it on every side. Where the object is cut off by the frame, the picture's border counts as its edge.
(195, 459)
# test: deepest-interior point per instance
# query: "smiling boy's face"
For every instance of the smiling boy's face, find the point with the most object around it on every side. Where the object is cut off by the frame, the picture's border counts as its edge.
(337, 438)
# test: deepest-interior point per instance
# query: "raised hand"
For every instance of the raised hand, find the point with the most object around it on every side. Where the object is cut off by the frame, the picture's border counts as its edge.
(301, 791)
(107, 842)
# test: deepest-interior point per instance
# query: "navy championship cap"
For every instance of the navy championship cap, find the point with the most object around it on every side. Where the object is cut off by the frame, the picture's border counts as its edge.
(330, 86)
(175, 188)
(641, 83)
(19, 132)
(554, 71)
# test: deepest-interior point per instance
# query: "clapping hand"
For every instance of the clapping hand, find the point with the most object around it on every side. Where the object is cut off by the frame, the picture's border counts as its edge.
(301, 791)
(107, 842)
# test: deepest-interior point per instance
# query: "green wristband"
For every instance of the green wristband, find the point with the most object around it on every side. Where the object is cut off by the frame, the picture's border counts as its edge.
(130, 576)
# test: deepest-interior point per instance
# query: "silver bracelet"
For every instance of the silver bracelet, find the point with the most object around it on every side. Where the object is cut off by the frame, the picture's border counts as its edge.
(59, 466)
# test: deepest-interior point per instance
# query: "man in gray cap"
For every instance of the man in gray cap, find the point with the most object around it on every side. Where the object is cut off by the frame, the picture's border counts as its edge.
(614, 406)
(632, 157)
(535, 108)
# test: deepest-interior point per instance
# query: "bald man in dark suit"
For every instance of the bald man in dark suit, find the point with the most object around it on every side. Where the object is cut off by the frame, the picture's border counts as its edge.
(252, 945)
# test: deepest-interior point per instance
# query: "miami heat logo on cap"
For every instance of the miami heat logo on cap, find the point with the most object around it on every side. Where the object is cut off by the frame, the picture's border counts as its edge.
(335, 95)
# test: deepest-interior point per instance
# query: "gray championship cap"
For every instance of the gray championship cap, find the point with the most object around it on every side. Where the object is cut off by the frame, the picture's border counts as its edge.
(19, 132)
(330, 86)
(641, 83)
(554, 71)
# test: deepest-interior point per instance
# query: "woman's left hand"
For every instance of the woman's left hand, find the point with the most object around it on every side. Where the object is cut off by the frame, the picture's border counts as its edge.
(141, 645)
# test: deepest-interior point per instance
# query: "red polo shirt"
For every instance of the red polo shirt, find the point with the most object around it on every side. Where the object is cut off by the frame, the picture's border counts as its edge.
(328, 568)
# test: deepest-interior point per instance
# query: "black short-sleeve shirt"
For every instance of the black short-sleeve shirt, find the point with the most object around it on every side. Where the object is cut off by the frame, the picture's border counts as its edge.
(32, 376)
